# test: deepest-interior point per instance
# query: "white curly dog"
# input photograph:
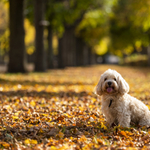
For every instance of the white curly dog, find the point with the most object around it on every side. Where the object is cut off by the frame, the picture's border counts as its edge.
(119, 107)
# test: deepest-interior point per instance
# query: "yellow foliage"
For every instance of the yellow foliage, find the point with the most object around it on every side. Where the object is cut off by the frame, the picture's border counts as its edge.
(102, 47)
(4, 26)
(128, 49)
(3, 15)
(55, 45)
(30, 32)
(30, 50)
(138, 45)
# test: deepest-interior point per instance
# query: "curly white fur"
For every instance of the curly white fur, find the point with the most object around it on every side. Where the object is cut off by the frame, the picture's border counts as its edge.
(117, 106)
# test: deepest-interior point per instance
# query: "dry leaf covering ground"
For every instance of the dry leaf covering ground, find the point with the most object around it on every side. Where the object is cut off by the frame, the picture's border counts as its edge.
(58, 110)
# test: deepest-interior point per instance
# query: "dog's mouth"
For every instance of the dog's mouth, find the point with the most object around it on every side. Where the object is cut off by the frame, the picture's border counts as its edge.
(110, 89)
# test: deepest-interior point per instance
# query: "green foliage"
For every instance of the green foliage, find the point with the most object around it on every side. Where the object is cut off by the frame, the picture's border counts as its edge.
(29, 10)
(125, 23)
(140, 13)
(63, 14)
(93, 27)
(128, 24)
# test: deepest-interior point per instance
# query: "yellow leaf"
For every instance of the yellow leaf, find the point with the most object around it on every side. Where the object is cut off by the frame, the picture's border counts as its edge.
(17, 113)
(148, 107)
(93, 99)
(33, 142)
(103, 126)
(15, 117)
(45, 115)
(60, 134)
(53, 148)
(95, 140)
(32, 103)
(67, 115)
(41, 130)
(30, 141)
(27, 141)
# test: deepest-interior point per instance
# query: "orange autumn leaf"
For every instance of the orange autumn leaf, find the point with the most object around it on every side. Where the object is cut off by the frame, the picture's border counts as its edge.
(4, 144)
(123, 133)
(60, 135)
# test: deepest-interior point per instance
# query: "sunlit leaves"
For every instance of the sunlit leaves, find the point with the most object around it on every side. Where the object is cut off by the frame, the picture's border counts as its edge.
(5, 145)
(29, 141)
(58, 110)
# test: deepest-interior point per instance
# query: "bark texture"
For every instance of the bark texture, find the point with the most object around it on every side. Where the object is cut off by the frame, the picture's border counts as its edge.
(17, 33)
(40, 57)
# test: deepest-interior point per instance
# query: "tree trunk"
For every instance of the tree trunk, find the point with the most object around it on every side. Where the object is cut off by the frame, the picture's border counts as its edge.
(83, 53)
(93, 57)
(40, 60)
(90, 55)
(86, 54)
(50, 55)
(148, 54)
(67, 48)
(61, 54)
(79, 52)
(16, 43)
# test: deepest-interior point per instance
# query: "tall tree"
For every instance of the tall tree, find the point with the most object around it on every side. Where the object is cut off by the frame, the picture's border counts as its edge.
(140, 17)
(72, 14)
(68, 47)
(40, 60)
(93, 29)
(16, 43)
(129, 26)
(50, 55)
(50, 15)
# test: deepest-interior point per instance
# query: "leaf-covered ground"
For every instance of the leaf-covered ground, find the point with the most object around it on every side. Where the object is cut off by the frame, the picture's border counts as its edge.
(58, 110)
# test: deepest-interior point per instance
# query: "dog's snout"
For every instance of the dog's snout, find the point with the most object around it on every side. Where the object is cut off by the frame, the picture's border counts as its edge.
(109, 83)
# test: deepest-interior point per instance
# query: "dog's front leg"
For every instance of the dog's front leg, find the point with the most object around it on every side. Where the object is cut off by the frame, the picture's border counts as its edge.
(124, 120)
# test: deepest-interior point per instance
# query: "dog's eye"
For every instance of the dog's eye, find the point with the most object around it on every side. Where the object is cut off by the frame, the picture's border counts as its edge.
(105, 79)
(115, 79)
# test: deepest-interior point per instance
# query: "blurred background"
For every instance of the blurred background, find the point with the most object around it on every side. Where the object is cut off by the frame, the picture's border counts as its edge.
(37, 35)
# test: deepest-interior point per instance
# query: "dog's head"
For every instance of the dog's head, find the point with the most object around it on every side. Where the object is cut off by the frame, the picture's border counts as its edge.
(111, 82)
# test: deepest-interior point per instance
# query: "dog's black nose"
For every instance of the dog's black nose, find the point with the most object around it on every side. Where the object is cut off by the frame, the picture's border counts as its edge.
(109, 83)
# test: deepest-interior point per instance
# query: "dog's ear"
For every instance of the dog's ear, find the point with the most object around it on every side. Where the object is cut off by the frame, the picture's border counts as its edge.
(123, 85)
(98, 88)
